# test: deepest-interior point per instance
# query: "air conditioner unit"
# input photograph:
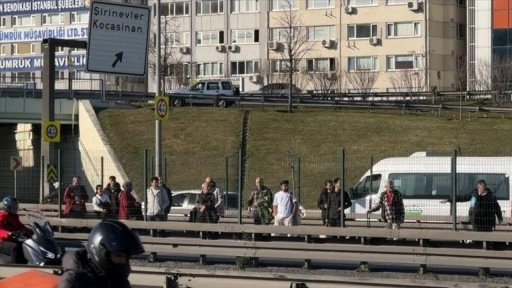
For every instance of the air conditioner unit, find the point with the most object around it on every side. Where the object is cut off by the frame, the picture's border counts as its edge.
(349, 9)
(327, 43)
(232, 48)
(219, 48)
(254, 77)
(413, 5)
(374, 41)
(273, 45)
(184, 50)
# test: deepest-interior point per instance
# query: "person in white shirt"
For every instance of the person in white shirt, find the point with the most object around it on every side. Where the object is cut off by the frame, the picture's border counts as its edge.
(285, 206)
(101, 203)
(157, 202)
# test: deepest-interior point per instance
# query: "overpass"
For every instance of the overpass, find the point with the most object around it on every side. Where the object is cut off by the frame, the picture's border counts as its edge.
(28, 110)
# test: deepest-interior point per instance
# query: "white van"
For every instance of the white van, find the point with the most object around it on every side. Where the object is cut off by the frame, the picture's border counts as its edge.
(426, 180)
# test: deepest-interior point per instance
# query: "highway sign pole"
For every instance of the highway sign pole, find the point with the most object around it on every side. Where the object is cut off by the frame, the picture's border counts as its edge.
(158, 125)
(15, 193)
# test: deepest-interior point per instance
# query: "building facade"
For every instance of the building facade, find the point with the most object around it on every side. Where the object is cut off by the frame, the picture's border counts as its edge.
(335, 45)
(23, 26)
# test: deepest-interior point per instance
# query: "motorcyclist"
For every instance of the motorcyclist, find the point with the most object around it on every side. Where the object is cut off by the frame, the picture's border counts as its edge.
(10, 229)
(104, 263)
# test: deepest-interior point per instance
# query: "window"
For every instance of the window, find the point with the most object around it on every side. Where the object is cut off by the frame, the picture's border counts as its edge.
(23, 77)
(283, 34)
(80, 74)
(178, 39)
(3, 21)
(321, 65)
(53, 19)
(206, 7)
(438, 185)
(319, 33)
(461, 3)
(23, 48)
(210, 37)
(283, 5)
(245, 67)
(3, 49)
(77, 50)
(210, 69)
(245, 36)
(3, 78)
(312, 4)
(245, 6)
(363, 63)
(401, 62)
(403, 29)
(180, 70)
(365, 187)
(59, 75)
(79, 17)
(362, 31)
(281, 66)
(25, 20)
(362, 2)
(175, 9)
(397, 2)
(461, 31)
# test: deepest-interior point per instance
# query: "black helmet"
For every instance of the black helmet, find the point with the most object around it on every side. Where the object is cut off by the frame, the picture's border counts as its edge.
(111, 236)
(10, 204)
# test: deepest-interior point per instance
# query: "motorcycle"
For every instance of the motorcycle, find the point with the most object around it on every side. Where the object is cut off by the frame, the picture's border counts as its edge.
(40, 249)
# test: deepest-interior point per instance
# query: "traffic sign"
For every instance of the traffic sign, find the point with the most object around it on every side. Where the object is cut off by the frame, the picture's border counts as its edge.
(51, 173)
(118, 38)
(51, 131)
(161, 108)
(16, 163)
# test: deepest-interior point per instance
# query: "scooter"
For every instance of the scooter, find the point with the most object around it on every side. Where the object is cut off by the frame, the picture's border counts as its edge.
(41, 249)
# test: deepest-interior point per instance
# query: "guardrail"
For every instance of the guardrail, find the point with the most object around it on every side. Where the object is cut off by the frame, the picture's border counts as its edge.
(396, 101)
(307, 250)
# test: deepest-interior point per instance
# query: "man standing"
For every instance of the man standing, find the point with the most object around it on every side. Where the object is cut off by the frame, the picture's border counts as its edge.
(334, 206)
(323, 200)
(75, 198)
(392, 205)
(285, 205)
(168, 192)
(260, 203)
(484, 208)
(157, 202)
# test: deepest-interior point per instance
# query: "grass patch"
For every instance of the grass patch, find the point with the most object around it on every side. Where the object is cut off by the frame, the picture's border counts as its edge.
(196, 142)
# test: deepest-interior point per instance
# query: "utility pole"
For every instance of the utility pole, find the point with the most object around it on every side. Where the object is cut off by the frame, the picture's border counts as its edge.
(158, 92)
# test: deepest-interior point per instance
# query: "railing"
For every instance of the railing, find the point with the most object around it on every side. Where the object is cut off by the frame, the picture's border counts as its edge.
(360, 250)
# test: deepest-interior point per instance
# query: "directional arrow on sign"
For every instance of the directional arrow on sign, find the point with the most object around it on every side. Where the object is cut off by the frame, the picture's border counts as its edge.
(51, 174)
(119, 58)
(16, 163)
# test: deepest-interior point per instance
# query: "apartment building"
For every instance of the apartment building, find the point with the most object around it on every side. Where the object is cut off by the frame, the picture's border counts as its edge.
(489, 44)
(342, 45)
(23, 26)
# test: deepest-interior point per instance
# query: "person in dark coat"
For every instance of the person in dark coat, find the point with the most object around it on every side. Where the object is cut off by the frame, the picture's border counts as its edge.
(334, 204)
(392, 205)
(205, 205)
(323, 199)
(104, 263)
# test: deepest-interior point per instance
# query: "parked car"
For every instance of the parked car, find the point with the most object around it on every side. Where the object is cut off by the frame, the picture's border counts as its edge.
(212, 88)
(276, 90)
(187, 200)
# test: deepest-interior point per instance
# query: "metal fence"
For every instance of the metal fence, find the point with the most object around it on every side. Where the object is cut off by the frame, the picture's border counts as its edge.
(424, 180)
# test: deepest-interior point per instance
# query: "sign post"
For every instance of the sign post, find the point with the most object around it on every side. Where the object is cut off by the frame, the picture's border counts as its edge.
(16, 164)
(118, 38)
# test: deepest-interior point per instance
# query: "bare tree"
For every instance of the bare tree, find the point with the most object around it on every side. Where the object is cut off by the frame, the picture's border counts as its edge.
(172, 67)
(494, 77)
(324, 83)
(461, 75)
(362, 80)
(294, 39)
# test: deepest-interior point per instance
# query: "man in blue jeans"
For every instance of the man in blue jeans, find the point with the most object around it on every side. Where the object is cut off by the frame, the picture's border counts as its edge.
(157, 201)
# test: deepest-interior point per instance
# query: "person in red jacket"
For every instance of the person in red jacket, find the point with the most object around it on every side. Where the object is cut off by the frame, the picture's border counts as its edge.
(126, 202)
(10, 228)
(75, 198)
